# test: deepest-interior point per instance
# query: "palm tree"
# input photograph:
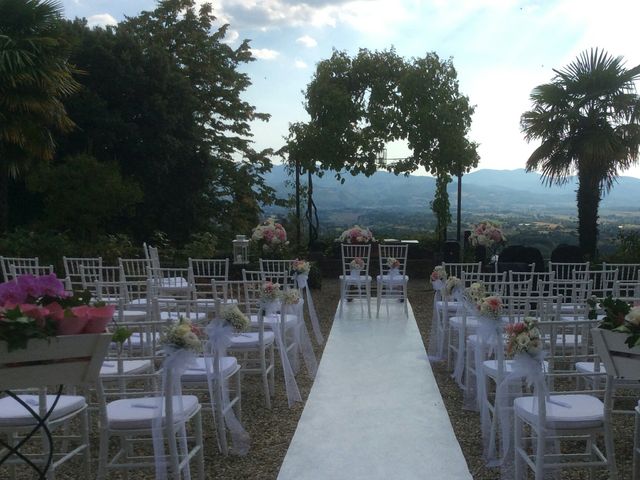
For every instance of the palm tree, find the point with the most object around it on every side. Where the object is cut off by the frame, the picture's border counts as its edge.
(34, 78)
(588, 121)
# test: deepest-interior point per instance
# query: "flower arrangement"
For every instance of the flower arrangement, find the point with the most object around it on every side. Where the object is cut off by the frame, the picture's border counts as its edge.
(356, 234)
(183, 335)
(357, 264)
(476, 292)
(524, 337)
(235, 318)
(439, 273)
(271, 236)
(619, 317)
(487, 234)
(290, 296)
(300, 267)
(270, 292)
(393, 263)
(452, 284)
(491, 306)
(38, 307)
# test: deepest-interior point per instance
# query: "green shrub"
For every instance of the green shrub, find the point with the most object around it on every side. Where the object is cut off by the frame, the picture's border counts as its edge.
(200, 245)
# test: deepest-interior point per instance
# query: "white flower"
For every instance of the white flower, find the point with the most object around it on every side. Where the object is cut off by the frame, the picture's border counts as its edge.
(633, 317)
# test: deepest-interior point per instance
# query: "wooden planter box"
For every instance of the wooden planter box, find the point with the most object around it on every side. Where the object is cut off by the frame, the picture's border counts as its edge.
(619, 360)
(62, 360)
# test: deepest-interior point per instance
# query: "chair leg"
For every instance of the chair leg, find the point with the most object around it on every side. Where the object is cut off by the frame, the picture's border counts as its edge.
(200, 443)
(610, 453)
(265, 379)
(378, 298)
(103, 453)
(368, 291)
(636, 447)
(85, 439)
(343, 295)
(517, 446)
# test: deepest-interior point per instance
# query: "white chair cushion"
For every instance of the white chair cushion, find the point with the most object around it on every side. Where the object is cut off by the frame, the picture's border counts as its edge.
(456, 322)
(110, 367)
(138, 413)
(585, 411)
(133, 315)
(14, 414)
(362, 279)
(271, 320)
(452, 305)
(589, 367)
(397, 279)
(250, 340)
(198, 373)
(490, 367)
(174, 316)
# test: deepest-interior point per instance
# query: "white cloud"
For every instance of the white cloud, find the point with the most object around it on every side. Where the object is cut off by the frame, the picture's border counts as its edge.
(264, 53)
(299, 64)
(307, 41)
(101, 20)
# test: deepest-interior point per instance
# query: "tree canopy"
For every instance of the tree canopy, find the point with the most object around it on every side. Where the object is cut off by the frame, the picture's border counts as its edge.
(588, 121)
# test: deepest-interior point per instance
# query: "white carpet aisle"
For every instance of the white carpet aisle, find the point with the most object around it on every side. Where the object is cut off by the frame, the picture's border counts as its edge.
(375, 411)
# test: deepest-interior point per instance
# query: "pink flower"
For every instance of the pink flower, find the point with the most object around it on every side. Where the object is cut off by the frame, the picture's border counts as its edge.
(50, 286)
(11, 293)
(34, 311)
(55, 310)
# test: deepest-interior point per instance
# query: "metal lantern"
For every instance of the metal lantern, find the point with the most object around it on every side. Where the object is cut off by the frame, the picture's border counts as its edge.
(240, 250)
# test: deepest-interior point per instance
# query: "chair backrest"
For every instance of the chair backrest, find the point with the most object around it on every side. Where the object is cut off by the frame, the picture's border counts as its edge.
(352, 251)
(69, 360)
(7, 262)
(105, 283)
(135, 268)
(173, 282)
(37, 270)
(564, 271)
(205, 270)
(252, 292)
(278, 271)
(228, 292)
(494, 283)
(627, 272)
(603, 281)
(628, 291)
(72, 274)
(456, 269)
(619, 360)
(399, 252)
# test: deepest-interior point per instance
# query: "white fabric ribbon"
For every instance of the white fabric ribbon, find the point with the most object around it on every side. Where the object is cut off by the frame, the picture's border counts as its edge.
(302, 338)
(219, 335)
(303, 287)
(466, 309)
(439, 321)
(291, 386)
(176, 362)
(489, 341)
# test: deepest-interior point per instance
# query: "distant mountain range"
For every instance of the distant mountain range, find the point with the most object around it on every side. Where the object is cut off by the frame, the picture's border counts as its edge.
(496, 190)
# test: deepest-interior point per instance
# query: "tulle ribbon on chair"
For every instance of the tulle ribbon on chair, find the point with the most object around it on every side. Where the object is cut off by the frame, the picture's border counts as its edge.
(219, 338)
(303, 286)
(437, 336)
(176, 362)
(291, 386)
(302, 338)
(489, 342)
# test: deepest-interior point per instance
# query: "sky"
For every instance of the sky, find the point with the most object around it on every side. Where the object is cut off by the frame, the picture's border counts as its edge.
(501, 50)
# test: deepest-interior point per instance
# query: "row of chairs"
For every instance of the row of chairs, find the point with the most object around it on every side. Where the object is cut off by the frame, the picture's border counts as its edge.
(558, 299)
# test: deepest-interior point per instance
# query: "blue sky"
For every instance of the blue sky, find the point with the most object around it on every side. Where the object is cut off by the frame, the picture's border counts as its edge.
(501, 49)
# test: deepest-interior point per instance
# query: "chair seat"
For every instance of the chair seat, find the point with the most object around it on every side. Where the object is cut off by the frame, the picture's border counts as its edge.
(452, 306)
(138, 413)
(396, 279)
(250, 340)
(589, 367)
(584, 411)
(15, 415)
(490, 367)
(110, 367)
(270, 320)
(198, 372)
(174, 316)
(456, 322)
(361, 279)
(133, 315)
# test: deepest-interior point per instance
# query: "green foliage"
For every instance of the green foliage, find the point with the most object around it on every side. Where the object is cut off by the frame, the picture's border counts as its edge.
(588, 122)
(47, 245)
(627, 248)
(440, 206)
(84, 196)
(614, 312)
(200, 245)
(113, 246)
(35, 76)
(17, 329)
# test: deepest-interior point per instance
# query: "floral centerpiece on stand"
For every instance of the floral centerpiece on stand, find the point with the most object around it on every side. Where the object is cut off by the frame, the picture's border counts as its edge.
(356, 234)
(234, 317)
(487, 235)
(270, 236)
(39, 307)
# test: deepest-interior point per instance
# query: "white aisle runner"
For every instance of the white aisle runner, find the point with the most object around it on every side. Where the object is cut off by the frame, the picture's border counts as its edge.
(374, 411)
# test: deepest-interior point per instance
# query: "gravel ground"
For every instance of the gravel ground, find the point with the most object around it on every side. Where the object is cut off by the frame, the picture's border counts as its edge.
(271, 431)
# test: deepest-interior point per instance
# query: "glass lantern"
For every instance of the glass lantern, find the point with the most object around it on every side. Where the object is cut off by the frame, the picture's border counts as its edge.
(240, 250)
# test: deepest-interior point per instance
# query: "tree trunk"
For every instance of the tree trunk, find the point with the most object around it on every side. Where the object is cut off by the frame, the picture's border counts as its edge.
(588, 204)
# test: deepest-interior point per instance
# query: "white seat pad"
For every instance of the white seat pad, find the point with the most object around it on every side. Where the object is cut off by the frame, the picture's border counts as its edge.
(198, 372)
(270, 320)
(250, 340)
(110, 367)
(452, 305)
(397, 279)
(362, 279)
(14, 414)
(134, 315)
(585, 411)
(138, 413)
(174, 316)
(490, 367)
(589, 367)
